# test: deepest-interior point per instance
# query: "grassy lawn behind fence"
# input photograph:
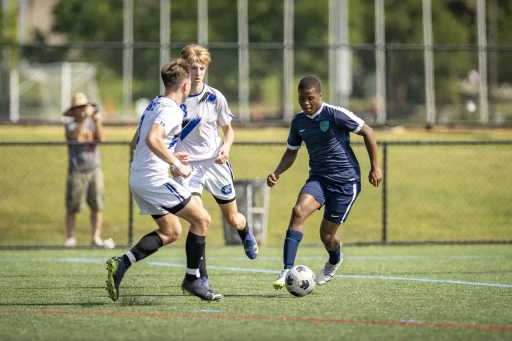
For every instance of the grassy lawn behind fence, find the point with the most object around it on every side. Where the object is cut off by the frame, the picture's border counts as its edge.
(434, 192)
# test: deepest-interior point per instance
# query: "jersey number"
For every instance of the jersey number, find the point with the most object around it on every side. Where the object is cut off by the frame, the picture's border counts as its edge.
(183, 107)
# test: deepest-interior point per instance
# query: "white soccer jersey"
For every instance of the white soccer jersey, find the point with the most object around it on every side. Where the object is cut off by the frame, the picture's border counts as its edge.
(147, 169)
(203, 113)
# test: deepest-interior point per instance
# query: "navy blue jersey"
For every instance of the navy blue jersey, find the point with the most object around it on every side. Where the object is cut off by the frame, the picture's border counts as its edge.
(326, 134)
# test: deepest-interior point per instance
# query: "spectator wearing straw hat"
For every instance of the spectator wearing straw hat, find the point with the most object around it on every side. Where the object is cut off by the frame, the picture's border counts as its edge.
(85, 178)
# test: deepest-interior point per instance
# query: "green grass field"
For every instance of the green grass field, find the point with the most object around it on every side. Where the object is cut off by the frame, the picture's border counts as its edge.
(381, 292)
(434, 192)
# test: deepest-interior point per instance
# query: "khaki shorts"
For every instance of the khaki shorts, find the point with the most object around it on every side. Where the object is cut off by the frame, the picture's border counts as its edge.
(85, 186)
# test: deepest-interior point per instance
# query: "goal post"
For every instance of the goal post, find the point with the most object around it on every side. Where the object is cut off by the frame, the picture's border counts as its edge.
(42, 92)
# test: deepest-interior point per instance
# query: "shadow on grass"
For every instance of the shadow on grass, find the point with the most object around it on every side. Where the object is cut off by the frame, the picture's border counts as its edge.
(57, 288)
(85, 304)
(261, 295)
(438, 273)
(138, 300)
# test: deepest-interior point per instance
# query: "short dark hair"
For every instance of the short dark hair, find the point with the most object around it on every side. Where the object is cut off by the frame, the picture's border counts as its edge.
(175, 72)
(310, 82)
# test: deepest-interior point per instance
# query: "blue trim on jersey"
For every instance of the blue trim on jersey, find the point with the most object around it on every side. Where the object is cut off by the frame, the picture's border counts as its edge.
(190, 96)
(173, 143)
(189, 127)
(211, 98)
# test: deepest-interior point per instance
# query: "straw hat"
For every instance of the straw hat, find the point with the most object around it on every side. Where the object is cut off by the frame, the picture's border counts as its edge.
(79, 100)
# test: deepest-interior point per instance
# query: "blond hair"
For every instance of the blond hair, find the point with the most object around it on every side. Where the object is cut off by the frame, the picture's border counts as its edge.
(196, 54)
(175, 72)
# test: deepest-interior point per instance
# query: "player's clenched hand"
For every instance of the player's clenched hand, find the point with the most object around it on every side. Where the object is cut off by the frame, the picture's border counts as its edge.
(174, 172)
(183, 171)
(272, 179)
(183, 157)
(375, 176)
(223, 155)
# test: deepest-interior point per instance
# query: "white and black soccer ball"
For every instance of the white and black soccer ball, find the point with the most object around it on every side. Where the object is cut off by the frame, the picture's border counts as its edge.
(300, 280)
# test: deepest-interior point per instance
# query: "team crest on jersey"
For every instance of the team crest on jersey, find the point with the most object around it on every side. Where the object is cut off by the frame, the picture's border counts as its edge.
(227, 189)
(324, 125)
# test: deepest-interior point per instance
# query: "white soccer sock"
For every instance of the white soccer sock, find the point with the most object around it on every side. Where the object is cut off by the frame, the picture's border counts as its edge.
(193, 272)
(131, 257)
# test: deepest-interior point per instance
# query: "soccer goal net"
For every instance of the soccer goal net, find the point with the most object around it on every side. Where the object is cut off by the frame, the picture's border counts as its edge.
(42, 92)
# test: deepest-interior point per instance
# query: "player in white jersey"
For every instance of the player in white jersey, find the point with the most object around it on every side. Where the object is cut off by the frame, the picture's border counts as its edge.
(205, 109)
(160, 196)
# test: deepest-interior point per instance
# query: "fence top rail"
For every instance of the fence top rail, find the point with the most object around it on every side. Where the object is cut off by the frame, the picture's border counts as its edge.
(255, 45)
(266, 143)
(393, 143)
(60, 143)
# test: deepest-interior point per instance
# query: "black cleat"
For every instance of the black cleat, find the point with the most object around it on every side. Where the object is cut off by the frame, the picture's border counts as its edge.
(197, 288)
(114, 277)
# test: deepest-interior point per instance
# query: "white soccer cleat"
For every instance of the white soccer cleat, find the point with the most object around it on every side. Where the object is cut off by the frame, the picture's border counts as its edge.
(328, 272)
(70, 242)
(281, 280)
(109, 243)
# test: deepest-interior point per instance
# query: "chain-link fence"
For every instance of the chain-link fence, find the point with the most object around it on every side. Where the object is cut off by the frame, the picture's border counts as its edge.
(37, 90)
(432, 192)
(421, 63)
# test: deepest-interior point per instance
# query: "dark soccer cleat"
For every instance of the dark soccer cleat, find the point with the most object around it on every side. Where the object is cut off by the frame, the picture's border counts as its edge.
(250, 246)
(114, 277)
(197, 288)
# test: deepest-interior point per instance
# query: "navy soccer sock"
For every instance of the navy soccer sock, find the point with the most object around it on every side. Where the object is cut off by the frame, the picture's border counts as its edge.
(146, 246)
(194, 248)
(334, 255)
(202, 266)
(291, 244)
(243, 233)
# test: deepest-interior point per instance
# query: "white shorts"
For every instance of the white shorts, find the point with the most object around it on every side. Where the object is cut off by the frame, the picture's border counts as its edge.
(215, 178)
(170, 197)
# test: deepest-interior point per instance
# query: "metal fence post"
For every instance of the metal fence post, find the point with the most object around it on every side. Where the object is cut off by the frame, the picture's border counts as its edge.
(130, 203)
(384, 193)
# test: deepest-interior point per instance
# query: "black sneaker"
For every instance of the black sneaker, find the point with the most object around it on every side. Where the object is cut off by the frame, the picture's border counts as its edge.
(197, 288)
(114, 277)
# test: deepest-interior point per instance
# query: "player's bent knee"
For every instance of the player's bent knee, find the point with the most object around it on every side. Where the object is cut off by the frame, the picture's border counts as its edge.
(201, 223)
(298, 213)
(170, 235)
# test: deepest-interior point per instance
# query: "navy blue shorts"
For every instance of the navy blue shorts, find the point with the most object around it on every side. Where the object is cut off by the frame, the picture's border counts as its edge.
(337, 198)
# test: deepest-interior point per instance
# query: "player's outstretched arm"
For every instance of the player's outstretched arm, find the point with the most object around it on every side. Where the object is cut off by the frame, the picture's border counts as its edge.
(375, 175)
(286, 162)
(156, 144)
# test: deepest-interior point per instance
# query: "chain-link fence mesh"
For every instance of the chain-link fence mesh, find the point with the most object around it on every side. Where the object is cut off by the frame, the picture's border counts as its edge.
(431, 192)
(455, 73)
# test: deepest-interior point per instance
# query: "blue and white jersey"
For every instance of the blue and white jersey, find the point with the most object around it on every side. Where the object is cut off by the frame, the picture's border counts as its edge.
(326, 134)
(204, 112)
(147, 169)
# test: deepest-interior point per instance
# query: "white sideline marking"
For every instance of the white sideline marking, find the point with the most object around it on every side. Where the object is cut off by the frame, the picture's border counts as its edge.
(392, 278)
(174, 265)
(275, 258)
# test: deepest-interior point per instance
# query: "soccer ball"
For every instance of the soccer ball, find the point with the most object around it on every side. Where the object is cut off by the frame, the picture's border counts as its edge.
(300, 280)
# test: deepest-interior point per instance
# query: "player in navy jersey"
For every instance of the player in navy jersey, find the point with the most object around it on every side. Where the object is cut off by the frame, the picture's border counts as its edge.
(334, 177)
